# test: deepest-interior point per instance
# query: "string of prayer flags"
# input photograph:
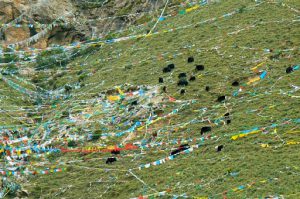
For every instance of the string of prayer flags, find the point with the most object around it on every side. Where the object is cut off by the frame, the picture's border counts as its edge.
(245, 133)
(290, 142)
(100, 149)
(246, 186)
(251, 81)
(19, 88)
(27, 172)
(257, 78)
(162, 18)
(203, 2)
(255, 68)
(192, 8)
(171, 157)
(164, 193)
(256, 130)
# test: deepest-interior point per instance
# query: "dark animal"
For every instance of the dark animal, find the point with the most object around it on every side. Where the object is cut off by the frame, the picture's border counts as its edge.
(207, 88)
(161, 80)
(164, 89)
(179, 149)
(182, 82)
(182, 91)
(176, 151)
(192, 78)
(166, 70)
(171, 66)
(130, 108)
(235, 83)
(199, 67)
(181, 75)
(227, 118)
(190, 59)
(289, 69)
(221, 98)
(205, 129)
(219, 148)
(134, 103)
(111, 160)
(115, 152)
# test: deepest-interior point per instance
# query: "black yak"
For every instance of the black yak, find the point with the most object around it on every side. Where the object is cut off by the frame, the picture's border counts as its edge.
(161, 80)
(190, 59)
(166, 70)
(171, 66)
(199, 67)
(181, 75)
(111, 160)
(134, 103)
(180, 148)
(221, 98)
(219, 148)
(207, 88)
(192, 78)
(182, 82)
(205, 129)
(289, 69)
(235, 83)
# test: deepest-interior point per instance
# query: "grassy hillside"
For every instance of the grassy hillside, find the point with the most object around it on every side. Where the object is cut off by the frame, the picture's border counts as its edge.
(262, 163)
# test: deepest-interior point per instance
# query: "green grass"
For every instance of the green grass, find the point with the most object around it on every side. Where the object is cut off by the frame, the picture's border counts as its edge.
(204, 172)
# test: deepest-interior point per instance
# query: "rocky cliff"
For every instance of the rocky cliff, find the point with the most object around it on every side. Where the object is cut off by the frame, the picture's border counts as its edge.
(74, 20)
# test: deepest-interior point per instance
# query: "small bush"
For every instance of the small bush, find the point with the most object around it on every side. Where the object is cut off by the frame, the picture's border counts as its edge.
(9, 69)
(9, 56)
(51, 59)
(72, 143)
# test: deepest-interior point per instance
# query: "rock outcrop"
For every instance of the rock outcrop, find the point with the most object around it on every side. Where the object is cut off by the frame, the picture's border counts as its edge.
(78, 19)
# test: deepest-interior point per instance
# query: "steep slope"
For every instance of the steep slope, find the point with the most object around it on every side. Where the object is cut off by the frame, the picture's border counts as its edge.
(108, 97)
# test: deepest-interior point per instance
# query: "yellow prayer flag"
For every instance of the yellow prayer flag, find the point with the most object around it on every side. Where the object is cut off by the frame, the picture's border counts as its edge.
(255, 67)
(292, 142)
(113, 98)
(140, 128)
(235, 137)
(192, 8)
(264, 145)
(252, 80)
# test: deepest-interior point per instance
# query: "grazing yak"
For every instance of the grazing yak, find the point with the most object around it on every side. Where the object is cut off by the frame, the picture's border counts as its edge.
(205, 129)
(111, 160)
(190, 60)
(179, 149)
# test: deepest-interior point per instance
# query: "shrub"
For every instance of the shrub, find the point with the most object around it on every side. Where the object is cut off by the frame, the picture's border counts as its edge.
(9, 56)
(51, 59)
(72, 143)
(9, 69)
